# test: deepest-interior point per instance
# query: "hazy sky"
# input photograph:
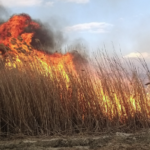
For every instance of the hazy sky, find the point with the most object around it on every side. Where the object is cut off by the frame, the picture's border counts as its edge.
(125, 23)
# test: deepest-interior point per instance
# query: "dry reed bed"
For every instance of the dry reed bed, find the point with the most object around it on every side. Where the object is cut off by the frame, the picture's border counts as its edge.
(111, 97)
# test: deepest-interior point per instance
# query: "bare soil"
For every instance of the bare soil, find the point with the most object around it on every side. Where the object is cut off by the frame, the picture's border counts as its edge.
(113, 141)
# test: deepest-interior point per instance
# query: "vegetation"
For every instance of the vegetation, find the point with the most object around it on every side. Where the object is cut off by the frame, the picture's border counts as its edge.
(109, 96)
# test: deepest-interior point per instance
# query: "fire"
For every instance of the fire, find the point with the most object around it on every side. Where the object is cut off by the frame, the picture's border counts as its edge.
(15, 46)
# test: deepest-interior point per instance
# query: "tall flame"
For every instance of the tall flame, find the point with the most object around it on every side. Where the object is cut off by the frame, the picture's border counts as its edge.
(15, 40)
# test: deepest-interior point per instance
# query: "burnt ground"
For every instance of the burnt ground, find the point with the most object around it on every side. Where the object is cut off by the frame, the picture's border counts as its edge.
(111, 141)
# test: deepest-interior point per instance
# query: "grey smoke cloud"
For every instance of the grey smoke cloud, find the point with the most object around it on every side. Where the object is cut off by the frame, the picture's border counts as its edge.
(3, 14)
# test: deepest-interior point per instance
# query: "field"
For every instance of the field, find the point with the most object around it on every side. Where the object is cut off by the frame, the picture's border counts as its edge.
(53, 100)
(80, 98)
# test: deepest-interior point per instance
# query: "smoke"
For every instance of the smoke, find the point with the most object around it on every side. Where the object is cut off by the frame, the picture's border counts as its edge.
(3, 11)
(3, 14)
(80, 51)
(53, 39)
(45, 37)
(48, 37)
(79, 59)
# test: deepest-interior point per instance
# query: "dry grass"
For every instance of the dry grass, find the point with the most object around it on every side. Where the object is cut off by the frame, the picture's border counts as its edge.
(109, 98)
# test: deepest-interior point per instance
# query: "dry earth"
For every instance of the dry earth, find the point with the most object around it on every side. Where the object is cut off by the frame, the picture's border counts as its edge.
(115, 141)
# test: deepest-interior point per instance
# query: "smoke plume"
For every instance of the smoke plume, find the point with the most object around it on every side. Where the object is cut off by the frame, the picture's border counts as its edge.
(46, 38)
(3, 14)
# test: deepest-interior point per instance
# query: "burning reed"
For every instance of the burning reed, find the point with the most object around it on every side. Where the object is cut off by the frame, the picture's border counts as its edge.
(35, 101)
(46, 94)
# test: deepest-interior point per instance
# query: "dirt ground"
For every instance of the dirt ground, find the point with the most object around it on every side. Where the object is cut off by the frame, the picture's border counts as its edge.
(114, 141)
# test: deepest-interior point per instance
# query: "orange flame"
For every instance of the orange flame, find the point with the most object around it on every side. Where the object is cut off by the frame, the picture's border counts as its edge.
(16, 41)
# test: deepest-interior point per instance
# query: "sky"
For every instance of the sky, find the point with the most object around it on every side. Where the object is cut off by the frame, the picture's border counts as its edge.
(115, 24)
